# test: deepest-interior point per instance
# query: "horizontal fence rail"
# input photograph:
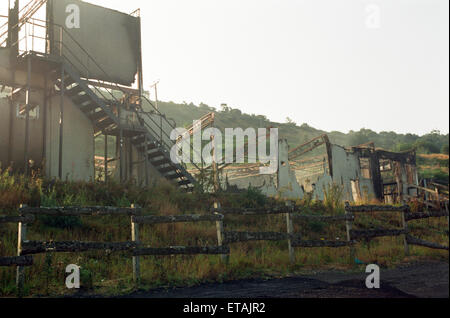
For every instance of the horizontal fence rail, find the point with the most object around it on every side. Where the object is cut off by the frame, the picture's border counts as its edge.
(80, 211)
(416, 241)
(257, 211)
(365, 234)
(17, 219)
(183, 250)
(235, 236)
(321, 243)
(323, 218)
(16, 261)
(38, 247)
(425, 215)
(376, 208)
(157, 219)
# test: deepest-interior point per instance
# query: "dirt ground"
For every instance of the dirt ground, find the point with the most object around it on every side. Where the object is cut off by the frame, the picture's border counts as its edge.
(421, 279)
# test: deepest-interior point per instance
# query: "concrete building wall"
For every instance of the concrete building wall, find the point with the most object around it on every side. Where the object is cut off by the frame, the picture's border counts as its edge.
(78, 142)
(13, 129)
(4, 131)
(134, 167)
(288, 186)
(346, 169)
(17, 77)
(282, 184)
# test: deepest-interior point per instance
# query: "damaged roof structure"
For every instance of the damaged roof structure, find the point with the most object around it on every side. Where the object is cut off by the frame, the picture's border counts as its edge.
(362, 173)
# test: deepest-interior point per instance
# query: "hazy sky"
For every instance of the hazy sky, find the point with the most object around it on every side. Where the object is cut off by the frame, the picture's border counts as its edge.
(335, 65)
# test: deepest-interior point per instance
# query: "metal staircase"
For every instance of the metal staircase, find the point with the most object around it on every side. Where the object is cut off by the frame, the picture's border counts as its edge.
(101, 104)
(104, 114)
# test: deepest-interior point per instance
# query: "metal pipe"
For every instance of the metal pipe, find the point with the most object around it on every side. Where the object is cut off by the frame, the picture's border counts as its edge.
(61, 125)
(106, 157)
(27, 116)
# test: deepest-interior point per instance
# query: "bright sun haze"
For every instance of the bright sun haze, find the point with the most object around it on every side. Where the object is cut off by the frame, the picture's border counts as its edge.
(316, 62)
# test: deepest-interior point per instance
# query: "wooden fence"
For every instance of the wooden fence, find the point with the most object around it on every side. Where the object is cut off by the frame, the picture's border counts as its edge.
(406, 215)
(293, 239)
(136, 249)
(26, 249)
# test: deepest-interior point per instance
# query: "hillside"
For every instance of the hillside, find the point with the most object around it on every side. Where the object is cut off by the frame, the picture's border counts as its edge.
(184, 114)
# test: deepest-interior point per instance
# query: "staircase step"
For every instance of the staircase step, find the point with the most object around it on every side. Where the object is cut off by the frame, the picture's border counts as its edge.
(166, 169)
(173, 176)
(67, 82)
(105, 123)
(89, 107)
(140, 140)
(80, 99)
(184, 182)
(150, 146)
(160, 162)
(75, 90)
(155, 154)
(98, 115)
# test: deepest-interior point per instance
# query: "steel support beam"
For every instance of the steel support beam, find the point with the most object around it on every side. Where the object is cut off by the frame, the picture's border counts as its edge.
(27, 118)
(61, 126)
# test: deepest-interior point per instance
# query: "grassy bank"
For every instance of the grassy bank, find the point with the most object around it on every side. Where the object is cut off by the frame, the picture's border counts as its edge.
(112, 273)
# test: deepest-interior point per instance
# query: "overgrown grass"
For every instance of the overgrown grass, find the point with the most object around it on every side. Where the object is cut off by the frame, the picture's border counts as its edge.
(112, 273)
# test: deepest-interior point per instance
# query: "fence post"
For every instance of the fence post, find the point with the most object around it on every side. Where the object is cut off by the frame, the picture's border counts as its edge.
(22, 237)
(220, 237)
(290, 231)
(405, 228)
(348, 228)
(135, 238)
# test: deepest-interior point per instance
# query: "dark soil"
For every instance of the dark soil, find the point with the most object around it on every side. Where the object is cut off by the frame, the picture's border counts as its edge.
(420, 279)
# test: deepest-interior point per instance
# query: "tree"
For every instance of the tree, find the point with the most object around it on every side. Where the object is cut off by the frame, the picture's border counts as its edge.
(444, 149)
(403, 147)
(290, 121)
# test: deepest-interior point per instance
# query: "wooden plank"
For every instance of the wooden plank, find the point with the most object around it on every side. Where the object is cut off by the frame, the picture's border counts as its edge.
(376, 208)
(21, 239)
(234, 237)
(220, 234)
(182, 250)
(135, 259)
(38, 247)
(405, 229)
(324, 218)
(367, 234)
(421, 188)
(17, 219)
(158, 219)
(16, 261)
(416, 241)
(312, 243)
(290, 232)
(425, 215)
(257, 211)
(80, 211)
(348, 229)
